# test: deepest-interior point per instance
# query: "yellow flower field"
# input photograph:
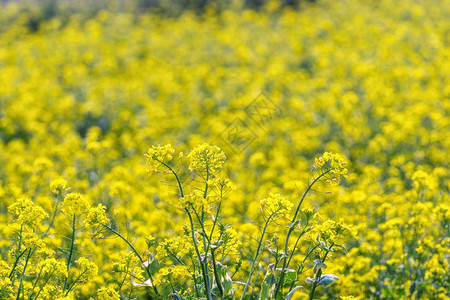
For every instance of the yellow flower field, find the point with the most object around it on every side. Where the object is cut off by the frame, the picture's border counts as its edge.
(235, 154)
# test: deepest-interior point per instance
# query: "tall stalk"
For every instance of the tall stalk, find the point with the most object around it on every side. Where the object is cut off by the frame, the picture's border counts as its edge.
(69, 259)
(254, 259)
(319, 274)
(286, 243)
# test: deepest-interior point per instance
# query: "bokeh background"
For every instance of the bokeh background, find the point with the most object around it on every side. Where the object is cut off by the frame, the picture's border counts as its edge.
(86, 87)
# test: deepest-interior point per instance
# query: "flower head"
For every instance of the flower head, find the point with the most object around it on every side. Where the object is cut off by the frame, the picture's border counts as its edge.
(74, 204)
(206, 159)
(105, 293)
(275, 206)
(332, 232)
(96, 219)
(333, 164)
(25, 211)
(86, 268)
(57, 186)
(172, 274)
(52, 267)
(159, 155)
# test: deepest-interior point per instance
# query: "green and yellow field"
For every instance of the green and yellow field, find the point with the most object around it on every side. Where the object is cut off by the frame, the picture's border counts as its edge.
(247, 101)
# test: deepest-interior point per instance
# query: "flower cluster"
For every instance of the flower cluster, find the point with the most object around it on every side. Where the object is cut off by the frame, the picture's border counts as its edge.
(174, 247)
(333, 164)
(172, 275)
(53, 267)
(57, 186)
(206, 159)
(196, 201)
(96, 216)
(159, 155)
(276, 207)
(86, 269)
(332, 232)
(106, 293)
(74, 204)
(74, 105)
(25, 211)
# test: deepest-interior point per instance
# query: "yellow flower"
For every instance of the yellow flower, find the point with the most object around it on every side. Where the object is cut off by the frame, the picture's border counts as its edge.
(159, 155)
(332, 164)
(333, 232)
(74, 204)
(206, 159)
(57, 186)
(195, 201)
(24, 211)
(86, 269)
(276, 207)
(96, 216)
(177, 246)
(172, 274)
(105, 293)
(31, 240)
(6, 288)
(52, 267)
(422, 180)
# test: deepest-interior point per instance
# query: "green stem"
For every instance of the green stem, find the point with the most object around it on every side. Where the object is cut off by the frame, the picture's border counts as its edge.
(202, 264)
(16, 262)
(286, 243)
(123, 280)
(23, 274)
(319, 274)
(295, 246)
(42, 286)
(137, 254)
(69, 259)
(193, 279)
(302, 265)
(254, 259)
(175, 174)
(73, 284)
(202, 224)
(36, 282)
(216, 275)
(53, 217)
(214, 225)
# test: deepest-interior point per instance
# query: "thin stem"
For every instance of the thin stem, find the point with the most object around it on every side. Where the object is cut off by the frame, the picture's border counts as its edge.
(216, 275)
(175, 174)
(53, 217)
(23, 274)
(286, 243)
(214, 225)
(254, 259)
(203, 266)
(319, 274)
(193, 278)
(136, 253)
(202, 224)
(123, 280)
(302, 265)
(16, 262)
(295, 246)
(73, 283)
(69, 259)
(36, 282)
(42, 286)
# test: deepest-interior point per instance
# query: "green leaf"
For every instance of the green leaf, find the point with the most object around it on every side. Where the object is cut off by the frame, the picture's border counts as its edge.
(268, 283)
(327, 279)
(290, 276)
(343, 248)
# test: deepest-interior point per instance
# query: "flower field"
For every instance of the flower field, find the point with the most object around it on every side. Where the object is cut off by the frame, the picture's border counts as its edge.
(274, 153)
